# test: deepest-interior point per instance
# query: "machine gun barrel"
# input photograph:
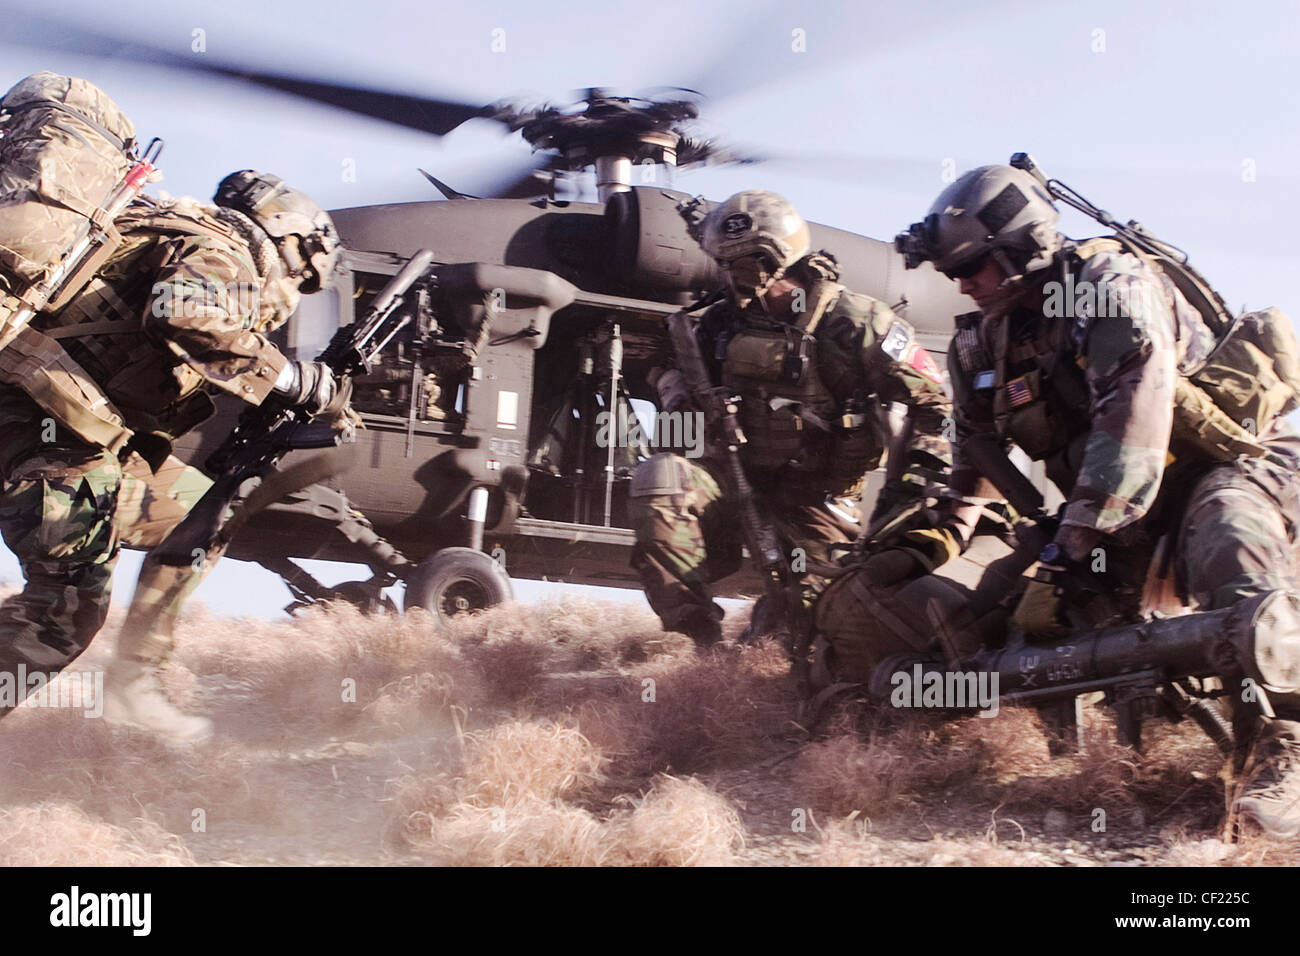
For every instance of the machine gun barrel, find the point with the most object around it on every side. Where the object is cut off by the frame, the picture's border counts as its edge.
(348, 351)
(266, 433)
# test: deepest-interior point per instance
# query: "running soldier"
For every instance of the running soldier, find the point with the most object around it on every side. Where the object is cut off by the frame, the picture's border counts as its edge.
(183, 305)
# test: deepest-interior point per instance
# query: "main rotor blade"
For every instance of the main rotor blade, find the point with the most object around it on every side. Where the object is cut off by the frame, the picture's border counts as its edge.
(423, 113)
(773, 46)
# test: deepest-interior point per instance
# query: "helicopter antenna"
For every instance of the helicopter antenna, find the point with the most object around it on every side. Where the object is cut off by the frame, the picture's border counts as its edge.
(447, 191)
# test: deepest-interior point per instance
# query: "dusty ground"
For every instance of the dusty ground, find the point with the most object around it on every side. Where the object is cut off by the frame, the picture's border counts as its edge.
(573, 733)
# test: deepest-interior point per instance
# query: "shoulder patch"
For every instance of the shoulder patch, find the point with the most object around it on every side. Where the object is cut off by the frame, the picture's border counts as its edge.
(896, 340)
(921, 362)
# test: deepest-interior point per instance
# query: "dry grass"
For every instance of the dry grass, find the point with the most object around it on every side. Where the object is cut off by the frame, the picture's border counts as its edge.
(850, 842)
(889, 769)
(717, 709)
(569, 733)
(539, 760)
(679, 823)
(512, 806)
(59, 834)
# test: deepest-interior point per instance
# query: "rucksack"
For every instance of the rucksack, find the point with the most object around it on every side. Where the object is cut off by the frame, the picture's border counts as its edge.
(1252, 375)
(67, 160)
(65, 149)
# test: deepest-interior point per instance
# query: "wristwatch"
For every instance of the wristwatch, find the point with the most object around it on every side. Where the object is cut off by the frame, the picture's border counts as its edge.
(1051, 564)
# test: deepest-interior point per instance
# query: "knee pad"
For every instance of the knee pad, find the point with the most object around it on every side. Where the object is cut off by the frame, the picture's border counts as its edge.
(660, 475)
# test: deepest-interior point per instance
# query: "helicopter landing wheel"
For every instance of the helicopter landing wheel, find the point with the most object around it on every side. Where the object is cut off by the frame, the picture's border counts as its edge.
(457, 581)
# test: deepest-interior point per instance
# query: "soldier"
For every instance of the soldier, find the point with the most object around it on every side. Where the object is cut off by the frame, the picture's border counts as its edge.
(184, 304)
(1092, 384)
(813, 364)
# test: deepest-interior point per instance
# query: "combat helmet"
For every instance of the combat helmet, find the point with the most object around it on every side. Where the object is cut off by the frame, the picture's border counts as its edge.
(992, 210)
(286, 214)
(754, 236)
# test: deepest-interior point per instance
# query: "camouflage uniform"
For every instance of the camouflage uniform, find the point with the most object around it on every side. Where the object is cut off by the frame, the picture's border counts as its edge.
(1085, 383)
(688, 533)
(170, 312)
(1092, 396)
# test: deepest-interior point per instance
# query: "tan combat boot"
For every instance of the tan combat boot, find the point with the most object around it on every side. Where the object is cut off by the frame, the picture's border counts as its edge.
(1271, 796)
(134, 695)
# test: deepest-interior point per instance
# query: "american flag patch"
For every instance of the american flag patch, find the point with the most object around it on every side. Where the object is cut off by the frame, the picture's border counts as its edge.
(1018, 392)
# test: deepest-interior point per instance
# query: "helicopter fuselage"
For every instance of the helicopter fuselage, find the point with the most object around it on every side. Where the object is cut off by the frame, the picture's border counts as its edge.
(528, 296)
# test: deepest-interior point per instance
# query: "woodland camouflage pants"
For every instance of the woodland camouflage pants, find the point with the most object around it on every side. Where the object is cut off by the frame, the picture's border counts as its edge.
(65, 512)
(1239, 533)
(689, 535)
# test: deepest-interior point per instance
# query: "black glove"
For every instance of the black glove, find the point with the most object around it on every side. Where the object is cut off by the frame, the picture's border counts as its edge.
(316, 391)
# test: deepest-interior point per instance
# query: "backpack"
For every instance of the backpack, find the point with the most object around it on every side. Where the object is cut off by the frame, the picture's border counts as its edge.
(1253, 372)
(1251, 376)
(65, 147)
(66, 150)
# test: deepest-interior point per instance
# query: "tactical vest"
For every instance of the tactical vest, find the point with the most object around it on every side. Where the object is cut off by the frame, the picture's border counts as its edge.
(762, 361)
(96, 350)
(1040, 397)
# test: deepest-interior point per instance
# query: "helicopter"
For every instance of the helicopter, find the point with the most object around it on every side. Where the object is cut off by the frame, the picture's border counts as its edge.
(479, 459)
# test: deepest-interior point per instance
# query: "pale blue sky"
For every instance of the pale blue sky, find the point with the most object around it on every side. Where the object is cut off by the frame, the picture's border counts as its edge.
(1181, 114)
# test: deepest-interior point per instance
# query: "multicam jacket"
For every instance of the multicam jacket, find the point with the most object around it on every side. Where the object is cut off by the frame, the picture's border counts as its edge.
(178, 305)
(1083, 380)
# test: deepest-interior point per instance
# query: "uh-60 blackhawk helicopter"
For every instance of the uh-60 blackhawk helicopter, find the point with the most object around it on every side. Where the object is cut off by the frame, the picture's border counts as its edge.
(480, 447)
(479, 455)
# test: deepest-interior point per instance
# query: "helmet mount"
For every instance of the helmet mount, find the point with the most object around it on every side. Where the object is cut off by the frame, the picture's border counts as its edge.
(992, 209)
(303, 232)
(754, 236)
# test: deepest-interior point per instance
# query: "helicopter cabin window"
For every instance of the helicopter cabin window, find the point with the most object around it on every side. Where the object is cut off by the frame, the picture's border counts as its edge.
(422, 375)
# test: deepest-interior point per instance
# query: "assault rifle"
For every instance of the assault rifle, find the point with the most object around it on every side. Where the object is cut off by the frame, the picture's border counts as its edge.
(721, 413)
(269, 431)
